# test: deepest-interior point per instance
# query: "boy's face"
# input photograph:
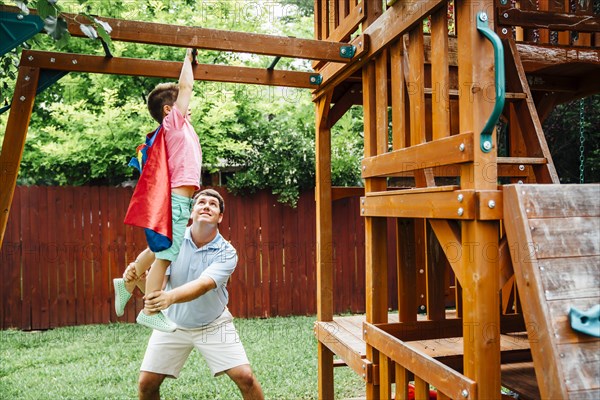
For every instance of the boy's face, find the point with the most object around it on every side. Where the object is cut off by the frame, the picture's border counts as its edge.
(206, 210)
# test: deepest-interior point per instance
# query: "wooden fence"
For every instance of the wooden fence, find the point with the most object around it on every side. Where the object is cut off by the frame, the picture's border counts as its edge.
(64, 245)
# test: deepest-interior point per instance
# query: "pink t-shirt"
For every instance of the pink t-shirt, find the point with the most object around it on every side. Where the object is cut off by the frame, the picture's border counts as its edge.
(183, 150)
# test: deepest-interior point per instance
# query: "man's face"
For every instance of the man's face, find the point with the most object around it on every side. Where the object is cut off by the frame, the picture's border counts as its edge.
(206, 210)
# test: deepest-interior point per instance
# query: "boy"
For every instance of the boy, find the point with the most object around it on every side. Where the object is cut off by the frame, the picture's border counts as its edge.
(168, 104)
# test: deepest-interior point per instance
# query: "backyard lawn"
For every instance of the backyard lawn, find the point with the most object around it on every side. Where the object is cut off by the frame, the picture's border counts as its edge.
(102, 362)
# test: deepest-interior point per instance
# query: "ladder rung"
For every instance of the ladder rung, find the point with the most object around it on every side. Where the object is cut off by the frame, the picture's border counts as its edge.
(522, 160)
(432, 189)
(455, 92)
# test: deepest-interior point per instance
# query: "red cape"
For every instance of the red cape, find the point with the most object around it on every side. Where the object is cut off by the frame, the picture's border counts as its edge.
(150, 205)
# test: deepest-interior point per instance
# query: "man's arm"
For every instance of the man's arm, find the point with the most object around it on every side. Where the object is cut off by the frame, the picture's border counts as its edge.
(160, 300)
(192, 290)
(186, 83)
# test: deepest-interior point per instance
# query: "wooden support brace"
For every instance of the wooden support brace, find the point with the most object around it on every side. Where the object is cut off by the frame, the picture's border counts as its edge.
(14, 139)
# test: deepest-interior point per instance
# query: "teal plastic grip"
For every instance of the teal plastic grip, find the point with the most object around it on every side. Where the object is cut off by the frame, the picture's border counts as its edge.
(500, 81)
(587, 322)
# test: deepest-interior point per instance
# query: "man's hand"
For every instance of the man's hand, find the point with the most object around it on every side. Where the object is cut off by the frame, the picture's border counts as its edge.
(158, 300)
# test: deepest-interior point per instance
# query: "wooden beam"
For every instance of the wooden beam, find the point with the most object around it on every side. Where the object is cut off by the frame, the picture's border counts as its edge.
(480, 299)
(448, 234)
(441, 152)
(394, 22)
(324, 241)
(549, 20)
(14, 139)
(163, 69)
(412, 203)
(536, 57)
(210, 39)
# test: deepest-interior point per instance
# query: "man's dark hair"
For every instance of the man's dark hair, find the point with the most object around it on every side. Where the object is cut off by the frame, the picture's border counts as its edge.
(211, 193)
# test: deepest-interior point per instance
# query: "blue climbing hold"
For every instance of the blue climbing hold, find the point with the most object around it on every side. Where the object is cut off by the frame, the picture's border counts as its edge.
(587, 322)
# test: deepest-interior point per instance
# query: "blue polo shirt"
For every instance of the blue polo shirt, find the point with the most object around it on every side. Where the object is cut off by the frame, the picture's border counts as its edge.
(216, 260)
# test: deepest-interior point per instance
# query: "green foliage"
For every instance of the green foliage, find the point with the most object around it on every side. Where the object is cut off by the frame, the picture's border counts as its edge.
(102, 362)
(82, 146)
(562, 130)
(85, 127)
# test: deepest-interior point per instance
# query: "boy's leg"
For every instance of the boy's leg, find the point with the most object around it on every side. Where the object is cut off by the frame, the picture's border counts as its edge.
(124, 287)
(154, 282)
(156, 278)
(142, 263)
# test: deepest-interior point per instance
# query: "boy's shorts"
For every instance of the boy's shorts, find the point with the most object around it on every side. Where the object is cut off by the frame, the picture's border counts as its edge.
(181, 210)
(218, 343)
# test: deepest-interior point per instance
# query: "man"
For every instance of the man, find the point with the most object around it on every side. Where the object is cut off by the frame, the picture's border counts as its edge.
(196, 300)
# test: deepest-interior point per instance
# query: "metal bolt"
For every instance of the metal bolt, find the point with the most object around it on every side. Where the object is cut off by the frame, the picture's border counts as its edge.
(562, 355)
(521, 167)
(461, 147)
(422, 307)
(364, 366)
(487, 145)
(364, 376)
(362, 210)
(421, 271)
(504, 31)
(27, 78)
(460, 212)
(491, 204)
(520, 182)
(483, 17)
(20, 17)
(364, 167)
(365, 331)
(464, 393)
(312, 79)
(505, 15)
(74, 61)
(359, 44)
(362, 201)
(30, 58)
(343, 51)
(52, 59)
(22, 98)
(359, 10)
(460, 198)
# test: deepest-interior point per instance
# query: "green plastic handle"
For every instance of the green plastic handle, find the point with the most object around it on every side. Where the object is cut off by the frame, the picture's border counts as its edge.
(500, 81)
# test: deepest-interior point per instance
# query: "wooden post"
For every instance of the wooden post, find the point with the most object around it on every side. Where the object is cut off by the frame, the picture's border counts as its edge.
(14, 139)
(324, 241)
(481, 305)
(375, 227)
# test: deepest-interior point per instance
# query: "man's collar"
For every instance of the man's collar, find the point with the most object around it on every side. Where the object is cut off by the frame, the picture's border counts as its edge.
(213, 244)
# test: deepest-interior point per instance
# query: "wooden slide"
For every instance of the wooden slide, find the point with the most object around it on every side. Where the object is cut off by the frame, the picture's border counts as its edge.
(554, 236)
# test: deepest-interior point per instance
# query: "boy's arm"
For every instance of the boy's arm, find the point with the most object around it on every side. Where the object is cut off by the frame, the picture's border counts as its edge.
(186, 83)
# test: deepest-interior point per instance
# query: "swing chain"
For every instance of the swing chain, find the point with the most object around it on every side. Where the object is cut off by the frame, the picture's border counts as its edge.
(581, 141)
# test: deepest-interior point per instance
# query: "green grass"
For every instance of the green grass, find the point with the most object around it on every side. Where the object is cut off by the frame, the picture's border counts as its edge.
(102, 362)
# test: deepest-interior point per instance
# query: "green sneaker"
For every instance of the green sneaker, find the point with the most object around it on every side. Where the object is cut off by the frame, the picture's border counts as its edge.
(122, 296)
(159, 321)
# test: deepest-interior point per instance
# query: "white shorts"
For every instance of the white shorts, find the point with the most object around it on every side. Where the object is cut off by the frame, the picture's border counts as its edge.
(218, 343)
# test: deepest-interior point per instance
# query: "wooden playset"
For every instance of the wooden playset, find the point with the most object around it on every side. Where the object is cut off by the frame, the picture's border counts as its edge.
(455, 161)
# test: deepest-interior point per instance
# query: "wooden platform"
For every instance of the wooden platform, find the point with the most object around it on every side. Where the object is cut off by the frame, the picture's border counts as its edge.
(553, 233)
(344, 337)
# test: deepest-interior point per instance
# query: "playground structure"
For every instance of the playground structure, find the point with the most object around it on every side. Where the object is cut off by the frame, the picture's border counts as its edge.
(466, 195)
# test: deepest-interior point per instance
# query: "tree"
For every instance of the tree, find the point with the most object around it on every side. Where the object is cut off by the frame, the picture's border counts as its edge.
(85, 128)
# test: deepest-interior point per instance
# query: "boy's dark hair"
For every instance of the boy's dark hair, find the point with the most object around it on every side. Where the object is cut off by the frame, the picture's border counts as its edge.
(164, 94)
(211, 193)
